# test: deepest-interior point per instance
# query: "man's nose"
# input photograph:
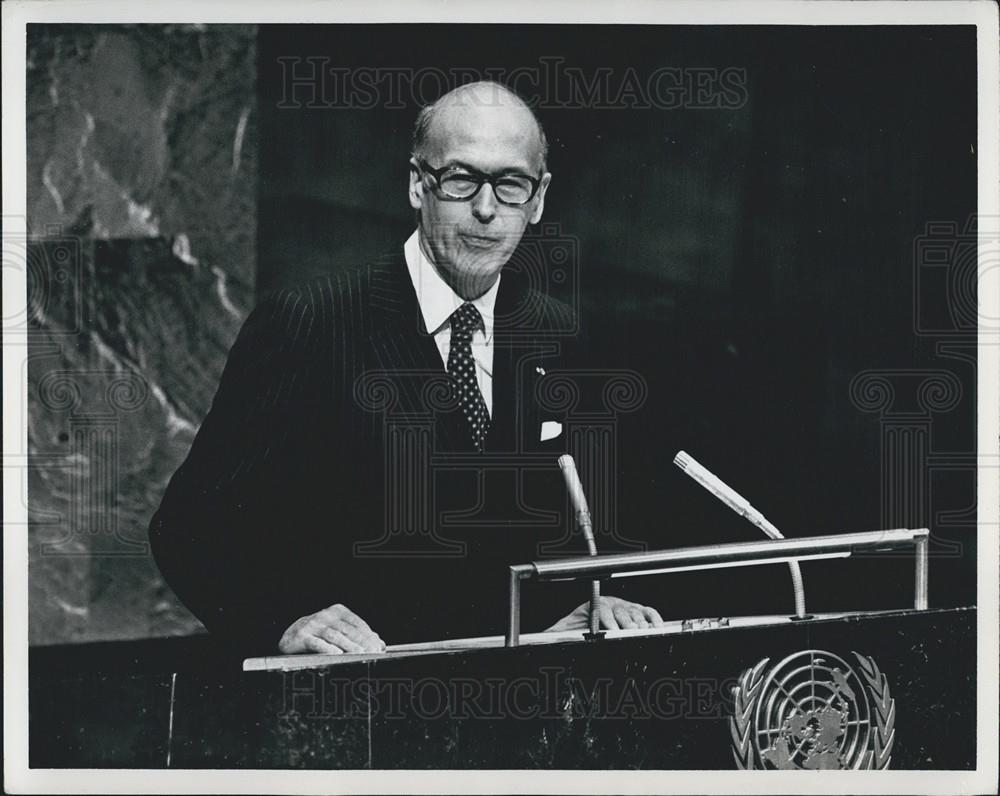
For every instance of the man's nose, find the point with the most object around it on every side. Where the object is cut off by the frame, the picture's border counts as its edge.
(484, 204)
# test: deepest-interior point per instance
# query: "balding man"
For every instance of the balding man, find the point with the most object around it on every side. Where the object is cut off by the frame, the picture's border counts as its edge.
(356, 478)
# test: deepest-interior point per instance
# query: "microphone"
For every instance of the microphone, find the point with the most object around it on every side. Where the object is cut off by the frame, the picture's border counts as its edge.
(725, 493)
(575, 488)
(742, 506)
(582, 511)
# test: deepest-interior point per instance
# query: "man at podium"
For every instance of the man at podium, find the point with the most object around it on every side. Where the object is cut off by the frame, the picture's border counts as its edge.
(357, 478)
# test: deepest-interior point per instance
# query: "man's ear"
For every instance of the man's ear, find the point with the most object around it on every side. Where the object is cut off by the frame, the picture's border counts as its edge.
(536, 215)
(416, 188)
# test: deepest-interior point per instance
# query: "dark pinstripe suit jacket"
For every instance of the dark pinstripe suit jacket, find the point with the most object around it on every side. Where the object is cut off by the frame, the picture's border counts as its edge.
(335, 466)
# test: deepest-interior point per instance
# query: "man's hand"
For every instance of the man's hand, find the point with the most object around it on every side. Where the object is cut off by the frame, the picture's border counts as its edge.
(333, 630)
(614, 613)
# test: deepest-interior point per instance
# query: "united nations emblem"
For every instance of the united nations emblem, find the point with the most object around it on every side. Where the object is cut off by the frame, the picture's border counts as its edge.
(813, 711)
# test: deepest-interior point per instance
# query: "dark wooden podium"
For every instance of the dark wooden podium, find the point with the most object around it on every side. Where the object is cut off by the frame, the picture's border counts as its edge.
(654, 701)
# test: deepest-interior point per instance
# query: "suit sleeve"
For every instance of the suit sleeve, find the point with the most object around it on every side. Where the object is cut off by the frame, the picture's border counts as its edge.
(208, 537)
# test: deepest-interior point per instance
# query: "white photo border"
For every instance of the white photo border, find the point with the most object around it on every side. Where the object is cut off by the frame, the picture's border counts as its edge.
(17, 776)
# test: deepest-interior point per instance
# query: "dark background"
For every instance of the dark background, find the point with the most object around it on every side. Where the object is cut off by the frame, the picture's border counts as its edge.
(748, 262)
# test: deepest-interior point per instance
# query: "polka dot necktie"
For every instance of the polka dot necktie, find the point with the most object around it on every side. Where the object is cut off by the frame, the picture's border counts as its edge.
(461, 367)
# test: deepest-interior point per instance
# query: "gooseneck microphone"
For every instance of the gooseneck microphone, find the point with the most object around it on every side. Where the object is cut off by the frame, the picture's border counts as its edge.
(742, 506)
(583, 522)
(725, 493)
(579, 501)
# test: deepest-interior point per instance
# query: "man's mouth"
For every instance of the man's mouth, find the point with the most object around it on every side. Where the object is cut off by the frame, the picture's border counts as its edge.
(479, 241)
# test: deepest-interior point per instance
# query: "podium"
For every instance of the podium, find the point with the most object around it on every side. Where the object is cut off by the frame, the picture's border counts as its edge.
(880, 689)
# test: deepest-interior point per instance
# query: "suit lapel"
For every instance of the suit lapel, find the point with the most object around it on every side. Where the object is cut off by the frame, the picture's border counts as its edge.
(517, 351)
(407, 354)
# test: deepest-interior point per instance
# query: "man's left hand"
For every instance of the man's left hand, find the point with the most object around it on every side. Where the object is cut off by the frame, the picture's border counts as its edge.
(614, 614)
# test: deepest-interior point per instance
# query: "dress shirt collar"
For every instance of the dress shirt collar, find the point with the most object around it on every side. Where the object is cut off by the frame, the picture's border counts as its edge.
(436, 298)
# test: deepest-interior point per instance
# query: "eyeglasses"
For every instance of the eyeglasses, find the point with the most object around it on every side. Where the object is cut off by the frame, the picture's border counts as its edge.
(458, 184)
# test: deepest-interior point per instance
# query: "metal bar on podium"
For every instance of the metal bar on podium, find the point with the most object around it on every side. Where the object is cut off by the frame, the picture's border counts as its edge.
(920, 585)
(713, 556)
(517, 574)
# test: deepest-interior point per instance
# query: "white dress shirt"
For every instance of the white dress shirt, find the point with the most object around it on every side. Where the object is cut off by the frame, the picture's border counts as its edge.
(438, 301)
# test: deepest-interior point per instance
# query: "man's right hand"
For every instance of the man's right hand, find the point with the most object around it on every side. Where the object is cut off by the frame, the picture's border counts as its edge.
(333, 630)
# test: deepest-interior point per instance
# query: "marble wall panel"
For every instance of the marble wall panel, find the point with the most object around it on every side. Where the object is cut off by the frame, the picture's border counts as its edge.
(142, 173)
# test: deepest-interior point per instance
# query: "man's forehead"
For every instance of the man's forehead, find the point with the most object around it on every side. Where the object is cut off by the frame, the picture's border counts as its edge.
(483, 95)
(493, 131)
